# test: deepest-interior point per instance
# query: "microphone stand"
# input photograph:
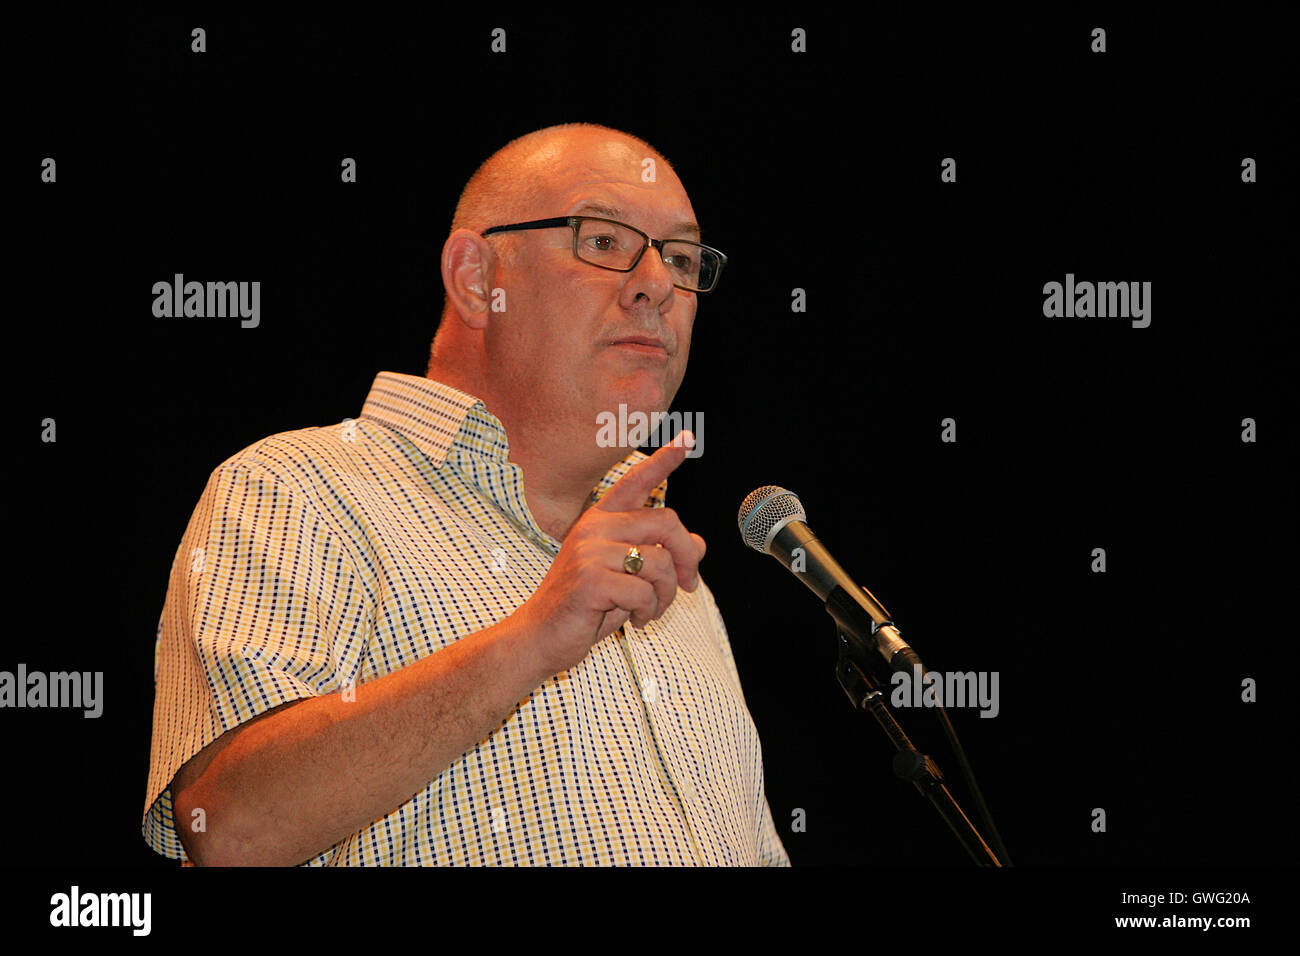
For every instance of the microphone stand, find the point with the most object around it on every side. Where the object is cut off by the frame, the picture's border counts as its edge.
(909, 764)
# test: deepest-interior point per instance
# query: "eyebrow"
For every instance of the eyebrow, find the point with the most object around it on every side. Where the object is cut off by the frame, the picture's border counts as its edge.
(613, 212)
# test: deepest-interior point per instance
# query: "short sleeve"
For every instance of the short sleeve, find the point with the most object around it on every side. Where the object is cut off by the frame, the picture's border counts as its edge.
(263, 607)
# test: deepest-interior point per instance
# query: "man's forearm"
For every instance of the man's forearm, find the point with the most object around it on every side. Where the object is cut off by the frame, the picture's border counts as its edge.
(299, 781)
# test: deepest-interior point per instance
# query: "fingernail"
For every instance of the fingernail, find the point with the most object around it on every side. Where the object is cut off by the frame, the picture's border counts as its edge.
(688, 438)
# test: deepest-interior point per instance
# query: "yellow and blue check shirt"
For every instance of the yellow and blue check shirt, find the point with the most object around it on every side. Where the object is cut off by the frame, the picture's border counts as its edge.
(326, 557)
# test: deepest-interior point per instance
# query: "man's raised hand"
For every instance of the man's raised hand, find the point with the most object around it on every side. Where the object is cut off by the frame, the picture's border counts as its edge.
(587, 594)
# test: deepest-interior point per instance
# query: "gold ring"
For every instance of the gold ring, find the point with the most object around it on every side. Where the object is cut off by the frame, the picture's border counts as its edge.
(632, 563)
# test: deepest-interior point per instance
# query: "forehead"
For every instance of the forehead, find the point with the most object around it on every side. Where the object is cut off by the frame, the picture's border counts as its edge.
(611, 177)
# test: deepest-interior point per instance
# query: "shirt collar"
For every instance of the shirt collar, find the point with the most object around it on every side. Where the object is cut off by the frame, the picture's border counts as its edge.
(438, 418)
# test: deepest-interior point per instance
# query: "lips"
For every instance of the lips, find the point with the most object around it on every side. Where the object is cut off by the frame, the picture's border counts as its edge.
(641, 340)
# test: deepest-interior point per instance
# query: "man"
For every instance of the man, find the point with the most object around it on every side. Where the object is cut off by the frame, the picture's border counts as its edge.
(461, 630)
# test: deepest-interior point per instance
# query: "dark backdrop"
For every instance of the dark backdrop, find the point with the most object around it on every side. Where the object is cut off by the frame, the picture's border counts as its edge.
(819, 171)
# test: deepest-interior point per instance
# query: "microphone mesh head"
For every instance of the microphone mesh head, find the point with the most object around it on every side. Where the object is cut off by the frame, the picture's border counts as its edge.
(762, 510)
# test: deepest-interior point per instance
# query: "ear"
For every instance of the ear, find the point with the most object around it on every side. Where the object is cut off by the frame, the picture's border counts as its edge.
(468, 265)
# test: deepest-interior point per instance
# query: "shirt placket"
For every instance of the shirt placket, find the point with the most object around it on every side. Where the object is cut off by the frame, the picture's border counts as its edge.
(654, 706)
(679, 784)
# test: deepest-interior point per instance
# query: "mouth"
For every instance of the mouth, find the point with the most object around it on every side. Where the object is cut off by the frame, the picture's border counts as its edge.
(641, 344)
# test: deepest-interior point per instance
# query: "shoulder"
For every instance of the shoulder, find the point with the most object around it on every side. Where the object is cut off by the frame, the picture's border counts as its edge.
(304, 459)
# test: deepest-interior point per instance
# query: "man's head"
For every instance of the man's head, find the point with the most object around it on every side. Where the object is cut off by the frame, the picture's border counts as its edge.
(535, 331)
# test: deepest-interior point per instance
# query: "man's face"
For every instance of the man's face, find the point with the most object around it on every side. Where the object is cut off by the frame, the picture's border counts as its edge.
(565, 341)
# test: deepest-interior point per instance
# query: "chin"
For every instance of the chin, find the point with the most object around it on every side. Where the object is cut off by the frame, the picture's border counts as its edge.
(641, 391)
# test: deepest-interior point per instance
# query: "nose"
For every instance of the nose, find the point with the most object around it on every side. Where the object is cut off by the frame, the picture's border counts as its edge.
(651, 277)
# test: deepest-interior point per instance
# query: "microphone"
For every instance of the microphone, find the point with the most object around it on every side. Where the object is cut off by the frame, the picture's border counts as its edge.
(772, 520)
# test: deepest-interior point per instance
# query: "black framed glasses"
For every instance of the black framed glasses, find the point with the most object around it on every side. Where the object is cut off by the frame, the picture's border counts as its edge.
(608, 244)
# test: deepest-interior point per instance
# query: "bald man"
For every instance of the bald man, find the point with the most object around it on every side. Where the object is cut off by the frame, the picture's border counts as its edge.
(462, 629)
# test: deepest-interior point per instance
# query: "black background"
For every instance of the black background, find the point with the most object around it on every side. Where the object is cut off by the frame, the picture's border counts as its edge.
(924, 301)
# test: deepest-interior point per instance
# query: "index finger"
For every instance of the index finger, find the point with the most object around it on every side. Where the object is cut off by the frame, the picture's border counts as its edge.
(634, 488)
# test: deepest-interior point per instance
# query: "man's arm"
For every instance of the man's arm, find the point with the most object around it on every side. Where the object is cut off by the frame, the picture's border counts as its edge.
(294, 781)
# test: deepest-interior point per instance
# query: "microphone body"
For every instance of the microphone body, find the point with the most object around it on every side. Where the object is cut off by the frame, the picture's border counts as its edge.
(771, 521)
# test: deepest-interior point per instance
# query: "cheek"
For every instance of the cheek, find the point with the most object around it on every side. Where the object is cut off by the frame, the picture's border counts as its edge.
(685, 326)
(576, 300)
